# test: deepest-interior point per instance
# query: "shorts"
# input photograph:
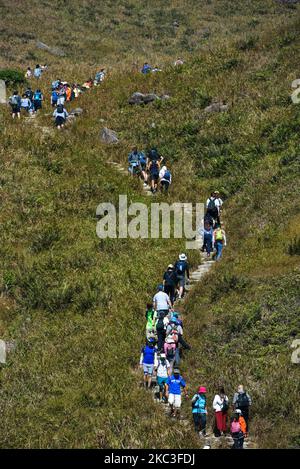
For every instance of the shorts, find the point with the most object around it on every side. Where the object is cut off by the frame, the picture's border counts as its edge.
(181, 280)
(161, 381)
(148, 369)
(37, 104)
(16, 109)
(59, 120)
(175, 400)
(154, 177)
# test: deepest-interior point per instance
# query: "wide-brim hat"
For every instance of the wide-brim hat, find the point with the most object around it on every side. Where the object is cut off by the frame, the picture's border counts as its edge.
(182, 257)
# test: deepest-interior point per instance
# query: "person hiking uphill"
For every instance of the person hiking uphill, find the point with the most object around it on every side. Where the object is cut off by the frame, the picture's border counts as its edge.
(237, 428)
(15, 104)
(212, 209)
(218, 203)
(242, 401)
(154, 175)
(182, 270)
(162, 373)
(170, 282)
(173, 392)
(219, 240)
(37, 100)
(148, 360)
(165, 178)
(161, 301)
(151, 321)
(60, 114)
(220, 406)
(160, 326)
(199, 411)
(207, 235)
(134, 161)
(37, 72)
(146, 68)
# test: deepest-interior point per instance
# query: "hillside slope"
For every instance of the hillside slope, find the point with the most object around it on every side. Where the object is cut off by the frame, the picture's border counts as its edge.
(75, 304)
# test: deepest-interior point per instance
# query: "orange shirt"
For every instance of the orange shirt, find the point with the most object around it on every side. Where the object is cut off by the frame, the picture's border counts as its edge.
(68, 94)
(242, 423)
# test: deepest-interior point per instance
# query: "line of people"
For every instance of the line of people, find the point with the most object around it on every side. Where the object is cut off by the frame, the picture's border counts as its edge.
(30, 102)
(213, 232)
(149, 168)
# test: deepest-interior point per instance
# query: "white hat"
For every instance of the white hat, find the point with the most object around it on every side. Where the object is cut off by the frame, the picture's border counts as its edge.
(238, 411)
(170, 266)
(182, 257)
(162, 355)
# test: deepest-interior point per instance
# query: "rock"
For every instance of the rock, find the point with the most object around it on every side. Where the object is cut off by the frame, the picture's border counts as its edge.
(140, 98)
(51, 50)
(296, 83)
(217, 107)
(2, 92)
(108, 136)
(76, 112)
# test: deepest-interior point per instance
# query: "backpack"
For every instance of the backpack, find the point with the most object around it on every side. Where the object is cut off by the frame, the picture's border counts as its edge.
(167, 175)
(160, 325)
(54, 96)
(60, 109)
(37, 96)
(14, 100)
(170, 355)
(242, 400)
(199, 403)
(225, 406)
(219, 235)
(172, 336)
(211, 205)
(180, 267)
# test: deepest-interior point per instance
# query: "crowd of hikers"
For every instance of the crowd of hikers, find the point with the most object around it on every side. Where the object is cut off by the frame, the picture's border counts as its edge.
(61, 93)
(149, 168)
(162, 353)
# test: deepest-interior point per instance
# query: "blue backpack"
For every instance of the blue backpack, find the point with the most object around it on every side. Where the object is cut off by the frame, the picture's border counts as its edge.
(180, 267)
(54, 96)
(167, 175)
(37, 96)
(200, 403)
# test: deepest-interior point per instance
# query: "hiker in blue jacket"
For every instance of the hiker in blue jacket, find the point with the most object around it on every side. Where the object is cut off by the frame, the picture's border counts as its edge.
(146, 68)
(15, 103)
(148, 360)
(199, 410)
(207, 234)
(173, 392)
(37, 100)
(181, 268)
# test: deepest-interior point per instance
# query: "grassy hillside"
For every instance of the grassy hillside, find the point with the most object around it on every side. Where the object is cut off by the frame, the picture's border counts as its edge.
(74, 303)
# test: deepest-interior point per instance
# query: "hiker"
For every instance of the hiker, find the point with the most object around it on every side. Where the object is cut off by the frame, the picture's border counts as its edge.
(151, 321)
(173, 392)
(60, 114)
(146, 68)
(161, 301)
(179, 61)
(25, 103)
(29, 93)
(134, 162)
(153, 155)
(182, 270)
(54, 97)
(15, 104)
(76, 90)
(207, 234)
(162, 373)
(165, 178)
(211, 208)
(68, 92)
(44, 67)
(236, 431)
(99, 77)
(28, 73)
(170, 282)
(37, 100)
(242, 401)
(220, 406)
(219, 240)
(160, 327)
(199, 410)
(61, 99)
(55, 84)
(218, 203)
(37, 72)
(154, 175)
(148, 361)
(156, 69)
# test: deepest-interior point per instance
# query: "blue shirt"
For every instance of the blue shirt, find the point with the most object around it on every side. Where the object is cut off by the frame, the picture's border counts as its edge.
(175, 384)
(199, 405)
(148, 355)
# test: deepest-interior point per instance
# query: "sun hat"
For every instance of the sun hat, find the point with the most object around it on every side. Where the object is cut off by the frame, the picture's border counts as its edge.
(170, 266)
(182, 257)
(238, 411)
(162, 355)
(202, 389)
(176, 370)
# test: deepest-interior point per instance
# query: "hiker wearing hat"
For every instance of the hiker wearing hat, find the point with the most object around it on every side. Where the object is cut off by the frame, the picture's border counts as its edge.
(218, 204)
(148, 360)
(238, 430)
(170, 282)
(199, 410)
(161, 301)
(219, 240)
(182, 270)
(173, 392)
(162, 373)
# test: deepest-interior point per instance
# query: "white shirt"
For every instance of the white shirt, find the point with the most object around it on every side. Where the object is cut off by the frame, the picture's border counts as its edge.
(218, 203)
(218, 402)
(161, 299)
(162, 371)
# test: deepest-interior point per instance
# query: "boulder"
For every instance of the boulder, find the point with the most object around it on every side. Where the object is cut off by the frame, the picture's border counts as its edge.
(217, 107)
(2, 92)
(108, 136)
(2, 351)
(51, 50)
(140, 98)
(76, 112)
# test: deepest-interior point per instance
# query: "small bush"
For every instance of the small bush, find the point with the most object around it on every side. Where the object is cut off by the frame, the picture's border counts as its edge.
(12, 77)
(294, 247)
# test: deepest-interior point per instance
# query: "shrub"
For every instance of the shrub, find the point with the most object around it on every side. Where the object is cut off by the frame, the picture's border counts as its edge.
(12, 77)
